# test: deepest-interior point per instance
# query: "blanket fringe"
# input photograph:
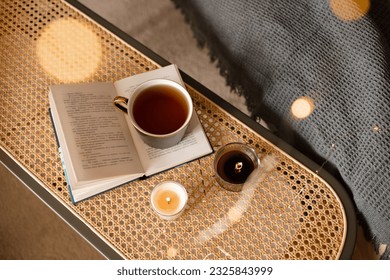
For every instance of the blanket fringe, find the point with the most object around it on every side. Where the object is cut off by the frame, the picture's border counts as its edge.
(235, 79)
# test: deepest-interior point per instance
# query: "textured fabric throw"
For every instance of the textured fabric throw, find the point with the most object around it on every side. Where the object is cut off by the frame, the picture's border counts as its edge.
(317, 71)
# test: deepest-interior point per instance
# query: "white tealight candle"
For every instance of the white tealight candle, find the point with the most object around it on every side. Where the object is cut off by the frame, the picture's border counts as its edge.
(169, 199)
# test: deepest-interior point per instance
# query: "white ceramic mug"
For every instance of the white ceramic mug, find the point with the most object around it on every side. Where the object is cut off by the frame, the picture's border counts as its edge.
(160, 110)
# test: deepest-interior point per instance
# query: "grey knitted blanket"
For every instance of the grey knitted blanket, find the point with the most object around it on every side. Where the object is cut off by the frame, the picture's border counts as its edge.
(318, 71)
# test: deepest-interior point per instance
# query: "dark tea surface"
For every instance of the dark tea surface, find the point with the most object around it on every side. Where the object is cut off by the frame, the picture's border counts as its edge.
(227, 167)
(160, 110)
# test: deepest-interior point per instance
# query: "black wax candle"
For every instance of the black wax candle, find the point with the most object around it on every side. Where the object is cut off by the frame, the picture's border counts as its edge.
(233, 163)
(235, 167)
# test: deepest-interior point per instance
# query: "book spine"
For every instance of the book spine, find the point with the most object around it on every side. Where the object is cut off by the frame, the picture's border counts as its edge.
(66, 174)
(62, 159)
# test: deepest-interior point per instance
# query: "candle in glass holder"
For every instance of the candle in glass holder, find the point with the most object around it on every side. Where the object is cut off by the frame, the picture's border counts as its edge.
(168, 199)
(233, 163)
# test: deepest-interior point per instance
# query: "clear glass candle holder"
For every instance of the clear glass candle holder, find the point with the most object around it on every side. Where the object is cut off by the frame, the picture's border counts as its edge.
(233, 163)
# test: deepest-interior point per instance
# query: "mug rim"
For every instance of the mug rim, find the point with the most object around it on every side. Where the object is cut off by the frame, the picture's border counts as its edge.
(156, 82)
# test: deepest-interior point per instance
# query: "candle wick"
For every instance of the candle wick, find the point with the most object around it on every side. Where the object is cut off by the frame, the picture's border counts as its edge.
(238, 167)
(168, 199)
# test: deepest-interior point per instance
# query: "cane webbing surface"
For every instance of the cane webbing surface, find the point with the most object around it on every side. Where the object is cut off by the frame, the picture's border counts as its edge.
(292, 214)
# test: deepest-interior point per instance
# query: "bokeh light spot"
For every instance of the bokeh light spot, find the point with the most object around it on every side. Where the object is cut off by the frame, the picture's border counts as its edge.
(69, 50)
(302, 107)
(171, 252)
(349, 10)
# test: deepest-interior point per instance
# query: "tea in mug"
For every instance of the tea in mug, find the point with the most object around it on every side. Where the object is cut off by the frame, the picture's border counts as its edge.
(160, 110)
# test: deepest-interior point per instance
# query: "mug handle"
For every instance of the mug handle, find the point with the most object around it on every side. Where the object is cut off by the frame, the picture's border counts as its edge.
(120, 102)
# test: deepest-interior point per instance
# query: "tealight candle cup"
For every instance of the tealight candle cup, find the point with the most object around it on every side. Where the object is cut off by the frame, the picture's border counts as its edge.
(169, 199)
(233, 164)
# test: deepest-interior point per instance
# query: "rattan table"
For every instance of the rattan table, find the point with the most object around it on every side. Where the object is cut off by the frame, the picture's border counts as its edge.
(298, 211)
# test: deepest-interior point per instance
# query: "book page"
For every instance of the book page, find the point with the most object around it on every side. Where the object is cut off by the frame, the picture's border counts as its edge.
(126, 86)
(95, 138)
(194, 144)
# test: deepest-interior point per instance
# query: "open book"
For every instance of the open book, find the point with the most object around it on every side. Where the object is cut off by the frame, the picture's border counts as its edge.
(99, 147)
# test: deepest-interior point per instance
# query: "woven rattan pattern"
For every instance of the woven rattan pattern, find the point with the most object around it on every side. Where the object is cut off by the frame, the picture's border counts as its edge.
(293, 214)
